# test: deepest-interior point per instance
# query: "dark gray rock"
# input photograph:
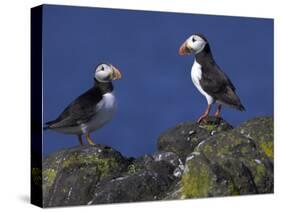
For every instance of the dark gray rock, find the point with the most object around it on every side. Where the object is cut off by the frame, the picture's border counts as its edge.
(206, 160)
(259, 129)
(148, 184)
(230, 163)
(98, 174)
(70, 176)
(148, 178)
(183, 138)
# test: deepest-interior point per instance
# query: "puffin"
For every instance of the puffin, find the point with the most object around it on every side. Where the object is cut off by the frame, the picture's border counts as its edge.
(208, 77)
(91, 110)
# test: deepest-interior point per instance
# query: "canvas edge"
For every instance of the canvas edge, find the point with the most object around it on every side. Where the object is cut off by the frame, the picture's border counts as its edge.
(36, 21)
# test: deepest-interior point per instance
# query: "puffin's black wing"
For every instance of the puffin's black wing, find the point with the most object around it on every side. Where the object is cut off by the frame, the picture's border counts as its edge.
(217, 84)
(79, 111)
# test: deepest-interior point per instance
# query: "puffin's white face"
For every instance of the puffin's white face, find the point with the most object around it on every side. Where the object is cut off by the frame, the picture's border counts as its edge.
(107, 73)
(194, 43)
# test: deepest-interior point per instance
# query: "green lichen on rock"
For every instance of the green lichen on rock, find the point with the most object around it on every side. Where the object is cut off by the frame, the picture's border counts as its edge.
(208, 127)
(183, 138)
(267, 148)
(193, 160)
(196, 180)
(203, 178)
(49, 177)
(71, 174)
(260, 173)
(214, 125)
(99, 165)
(132, 169)
(242, 157)
(260, 130)
(223, 144)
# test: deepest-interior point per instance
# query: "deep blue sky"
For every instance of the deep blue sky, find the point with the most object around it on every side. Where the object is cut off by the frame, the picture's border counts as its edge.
(156, 91)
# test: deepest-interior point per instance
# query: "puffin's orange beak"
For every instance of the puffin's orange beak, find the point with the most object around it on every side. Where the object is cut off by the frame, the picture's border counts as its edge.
(185, 49)
(116, 74)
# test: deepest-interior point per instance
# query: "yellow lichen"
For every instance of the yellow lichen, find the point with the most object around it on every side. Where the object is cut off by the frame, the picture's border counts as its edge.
(209, 127)
(233, 190)
(207, 148)
(267, 147)
(196, 182)
(102, 165)
(49, 177)
(132, 169)
(260, 173)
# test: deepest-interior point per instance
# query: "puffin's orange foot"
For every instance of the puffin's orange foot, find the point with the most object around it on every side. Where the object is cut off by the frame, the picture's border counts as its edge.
(218, 112)
(202, 117)
(218, 115)
(205, 114)
(80, 140)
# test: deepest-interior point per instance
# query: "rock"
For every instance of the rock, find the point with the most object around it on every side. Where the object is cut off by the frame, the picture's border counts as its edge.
(147, 179)
(206, 160)
(183, 138)
(231, 163)
(99, 174)
(171, 158)
(147, 184)
(70, 176)
(260, 130)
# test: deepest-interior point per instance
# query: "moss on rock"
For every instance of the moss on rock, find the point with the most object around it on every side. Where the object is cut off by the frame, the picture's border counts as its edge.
(70, 175)
(183, 138)
(196, 179)
(132, 169)
(214, 125)
(49, 177)
(193, 160)
(203, 178)
(267, 148)
(260, 130)
(100, 165)
(240, 158)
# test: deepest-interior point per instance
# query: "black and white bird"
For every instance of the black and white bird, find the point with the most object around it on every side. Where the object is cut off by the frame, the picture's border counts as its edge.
(92, 110)
(207, 76)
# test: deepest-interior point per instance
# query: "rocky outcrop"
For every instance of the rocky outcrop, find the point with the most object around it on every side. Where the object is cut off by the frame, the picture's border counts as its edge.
(146, 179)
(70, 176)
(232, 162)
(183, 138)
(99, 174)
(206, 160)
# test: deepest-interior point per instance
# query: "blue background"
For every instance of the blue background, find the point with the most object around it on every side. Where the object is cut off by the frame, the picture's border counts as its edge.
(156, 91)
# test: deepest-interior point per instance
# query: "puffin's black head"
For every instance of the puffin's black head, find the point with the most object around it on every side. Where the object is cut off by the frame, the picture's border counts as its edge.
(106, 73)
(194, 44)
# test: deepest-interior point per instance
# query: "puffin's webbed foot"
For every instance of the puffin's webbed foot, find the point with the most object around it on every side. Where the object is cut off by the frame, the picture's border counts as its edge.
(218, 112)
(205, 114)
(80, 140)
(202, 117)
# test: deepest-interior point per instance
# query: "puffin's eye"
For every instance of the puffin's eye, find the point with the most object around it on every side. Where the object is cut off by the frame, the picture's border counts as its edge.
(102, 68)
(193, 39)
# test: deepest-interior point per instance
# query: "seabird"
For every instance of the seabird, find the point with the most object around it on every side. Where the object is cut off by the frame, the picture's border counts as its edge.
(91, 110)
(207, 76)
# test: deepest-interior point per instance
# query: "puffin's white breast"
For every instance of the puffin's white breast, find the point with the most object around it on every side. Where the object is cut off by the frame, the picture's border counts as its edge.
(105, 111)
(196, 75)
